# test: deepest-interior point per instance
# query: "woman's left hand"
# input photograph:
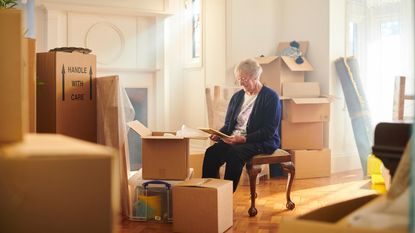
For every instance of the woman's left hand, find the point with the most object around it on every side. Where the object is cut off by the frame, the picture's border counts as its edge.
(234, 139)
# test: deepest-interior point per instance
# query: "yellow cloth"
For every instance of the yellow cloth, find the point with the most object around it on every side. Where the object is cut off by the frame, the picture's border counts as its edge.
(373, 165)
(378, 183)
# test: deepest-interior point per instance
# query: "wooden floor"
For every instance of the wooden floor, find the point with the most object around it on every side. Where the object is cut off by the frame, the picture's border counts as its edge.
(307, 194)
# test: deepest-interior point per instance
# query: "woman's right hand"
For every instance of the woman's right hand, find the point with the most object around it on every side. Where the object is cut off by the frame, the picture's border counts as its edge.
(214, 137)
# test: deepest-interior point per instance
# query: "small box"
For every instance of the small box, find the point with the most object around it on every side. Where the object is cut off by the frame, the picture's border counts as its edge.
(312, 163)
(282, 69)
(302, 103)
(333, 218)
(203, 205)
(302, 136)
(13, 99)
(66, 94)
(163, 157)
(53, 183)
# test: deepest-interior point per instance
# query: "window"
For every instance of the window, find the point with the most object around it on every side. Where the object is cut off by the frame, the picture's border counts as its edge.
(380, 36)
(352, 40)
(196, 29)
(193, 25)
(138, 98)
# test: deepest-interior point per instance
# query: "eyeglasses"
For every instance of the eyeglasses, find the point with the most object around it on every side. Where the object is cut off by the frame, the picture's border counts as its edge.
(241, 79)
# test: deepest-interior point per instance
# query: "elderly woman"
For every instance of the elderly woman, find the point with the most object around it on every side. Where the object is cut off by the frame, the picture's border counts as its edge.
(252, 119)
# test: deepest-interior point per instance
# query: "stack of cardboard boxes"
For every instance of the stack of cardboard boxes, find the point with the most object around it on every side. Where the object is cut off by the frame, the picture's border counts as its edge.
(304, 112)
(204, 204)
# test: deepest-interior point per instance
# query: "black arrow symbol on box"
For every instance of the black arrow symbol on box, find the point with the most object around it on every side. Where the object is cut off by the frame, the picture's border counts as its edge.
(63, 82)
(90, 83)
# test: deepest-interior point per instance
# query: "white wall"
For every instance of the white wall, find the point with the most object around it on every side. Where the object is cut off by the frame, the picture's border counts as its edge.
(253, 29)
(309, 20)
(174, 63)
(344, 150)
(215, 42)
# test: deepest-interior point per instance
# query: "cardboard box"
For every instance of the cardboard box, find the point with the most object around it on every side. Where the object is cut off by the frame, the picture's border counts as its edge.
(282, 69)
(30, 76)
(53, 183)
(203, 205)
(332, 219)
(12, 99)
(302, 103)
(302, 136)
(196, 162)
(66, 94)
(312, 163)
(163, 157)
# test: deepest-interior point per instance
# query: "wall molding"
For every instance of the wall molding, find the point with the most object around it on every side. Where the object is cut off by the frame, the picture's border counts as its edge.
(128, 70)
(111, 10)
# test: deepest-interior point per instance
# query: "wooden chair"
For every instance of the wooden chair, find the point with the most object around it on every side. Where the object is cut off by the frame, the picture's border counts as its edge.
(217, 106)
(279, 156)
(399, 98)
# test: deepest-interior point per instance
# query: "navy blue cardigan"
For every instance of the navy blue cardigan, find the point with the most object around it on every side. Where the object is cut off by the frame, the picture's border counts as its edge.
(264, 122)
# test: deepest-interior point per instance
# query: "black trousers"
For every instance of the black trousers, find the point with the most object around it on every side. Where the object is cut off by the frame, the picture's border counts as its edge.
(235, 157)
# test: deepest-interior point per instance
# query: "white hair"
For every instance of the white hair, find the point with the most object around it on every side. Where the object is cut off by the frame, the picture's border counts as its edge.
(249, 67)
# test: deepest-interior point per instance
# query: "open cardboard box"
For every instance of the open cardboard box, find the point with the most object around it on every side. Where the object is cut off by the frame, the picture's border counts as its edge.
(282, 69)
(165, 155)
(333, 218)
(302, 102)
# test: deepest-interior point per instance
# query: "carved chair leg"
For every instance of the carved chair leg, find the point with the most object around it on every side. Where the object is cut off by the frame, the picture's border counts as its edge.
(290, 169)
(253, 172)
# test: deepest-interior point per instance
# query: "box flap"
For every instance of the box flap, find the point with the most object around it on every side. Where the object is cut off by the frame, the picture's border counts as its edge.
(193, 182)
(335, 212)
(266, 60)
(162, 137)
(203, 183)
(139, 128)
(303, 46)
(290, 62)
(301, 89)
(310, 100)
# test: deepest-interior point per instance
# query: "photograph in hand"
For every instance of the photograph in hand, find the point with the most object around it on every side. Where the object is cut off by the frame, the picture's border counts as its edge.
(215, 132)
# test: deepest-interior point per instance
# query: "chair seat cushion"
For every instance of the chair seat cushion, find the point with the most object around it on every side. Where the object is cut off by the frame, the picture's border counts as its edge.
(277, 152)
(278, 156)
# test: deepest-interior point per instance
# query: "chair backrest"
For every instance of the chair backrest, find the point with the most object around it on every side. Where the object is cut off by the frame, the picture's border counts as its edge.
(399, 98)
(217, 104)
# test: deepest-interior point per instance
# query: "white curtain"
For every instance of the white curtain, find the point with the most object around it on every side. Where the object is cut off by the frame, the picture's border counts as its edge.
(380, 35)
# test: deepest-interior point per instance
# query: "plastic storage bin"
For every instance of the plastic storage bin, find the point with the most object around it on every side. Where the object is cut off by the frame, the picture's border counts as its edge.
(153, 202)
